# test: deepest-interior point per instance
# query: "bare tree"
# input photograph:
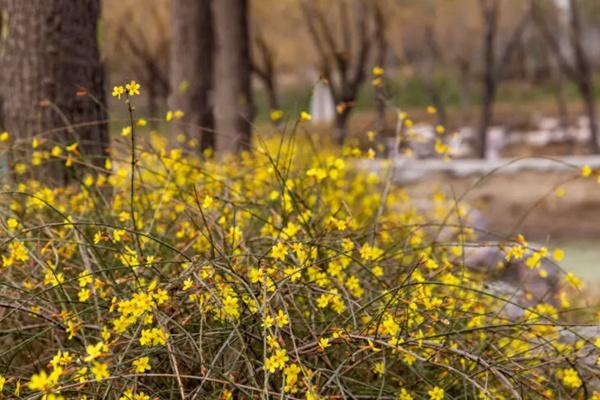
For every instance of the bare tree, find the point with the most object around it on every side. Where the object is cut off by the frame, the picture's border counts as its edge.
(434, 60)
(381, 54)
(149, 62)
(464, 72)
(342, 64)
(494, 67)
(53, 79)
(579, 71)
(234, 102)
(263, 66)
(192, 66)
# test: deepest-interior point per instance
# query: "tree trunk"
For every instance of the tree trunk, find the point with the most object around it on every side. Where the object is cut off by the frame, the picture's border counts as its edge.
(584, 74)
(234, 111)
(341, 125)
(561, 102)
(381, 56)
(271, 88)
(587, 92)
(152, 105)
(465, 92)
(485, 121)
(51, 63)
(490, 12)
(436, 99)
(429, 78)
(192, 68)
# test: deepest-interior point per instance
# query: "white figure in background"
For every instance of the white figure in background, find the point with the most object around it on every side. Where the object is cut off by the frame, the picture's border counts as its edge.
(496, 142)
(322, 107)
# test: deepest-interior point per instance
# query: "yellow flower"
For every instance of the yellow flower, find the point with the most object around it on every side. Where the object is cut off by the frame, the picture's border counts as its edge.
(100, 371)
(558, 254)
(379, 368)
(98, 237)
(318, 173)
(368, 252)
(12, 223)
(586, 171)
(276, 115)
(272, 342)
(83, 294)
(93, 351)
(281, 319)
(133, 88)
(142, 365)
(118, 234)
(43, 382)
(126, 131)
(20, 168)
(88, 180)
(436, 393)
(323, 344)
(276, 361)
(571, 378)
(268, 322)
(378, 71)
(153, 337)
(574, 281)
(118, 91)
(279, 251)
(4, 137)
(72, 148)
(304, 116)
(188, 283)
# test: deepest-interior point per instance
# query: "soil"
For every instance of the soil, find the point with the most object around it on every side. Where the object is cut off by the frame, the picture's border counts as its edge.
(527, 202)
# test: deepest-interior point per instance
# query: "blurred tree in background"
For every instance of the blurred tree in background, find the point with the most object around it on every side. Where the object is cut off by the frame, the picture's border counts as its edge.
(192, 76)
(225, 63)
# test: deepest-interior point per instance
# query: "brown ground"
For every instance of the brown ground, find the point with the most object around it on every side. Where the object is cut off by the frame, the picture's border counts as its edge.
(526, 202)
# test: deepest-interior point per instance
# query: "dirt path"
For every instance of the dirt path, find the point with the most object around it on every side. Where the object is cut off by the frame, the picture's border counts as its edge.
(516, 196)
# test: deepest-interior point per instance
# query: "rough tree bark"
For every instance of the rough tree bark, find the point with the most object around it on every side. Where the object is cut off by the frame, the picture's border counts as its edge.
(234, 103)
(192, 68)
(53, 78)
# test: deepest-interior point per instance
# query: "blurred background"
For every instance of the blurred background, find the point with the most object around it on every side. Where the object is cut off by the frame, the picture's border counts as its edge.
(532, 60)
(525, 72)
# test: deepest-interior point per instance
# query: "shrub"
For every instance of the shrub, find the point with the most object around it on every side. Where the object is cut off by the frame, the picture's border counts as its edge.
(286, 272)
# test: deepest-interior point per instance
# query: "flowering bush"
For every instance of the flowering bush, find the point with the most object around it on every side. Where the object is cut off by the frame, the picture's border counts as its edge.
(286, 272)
